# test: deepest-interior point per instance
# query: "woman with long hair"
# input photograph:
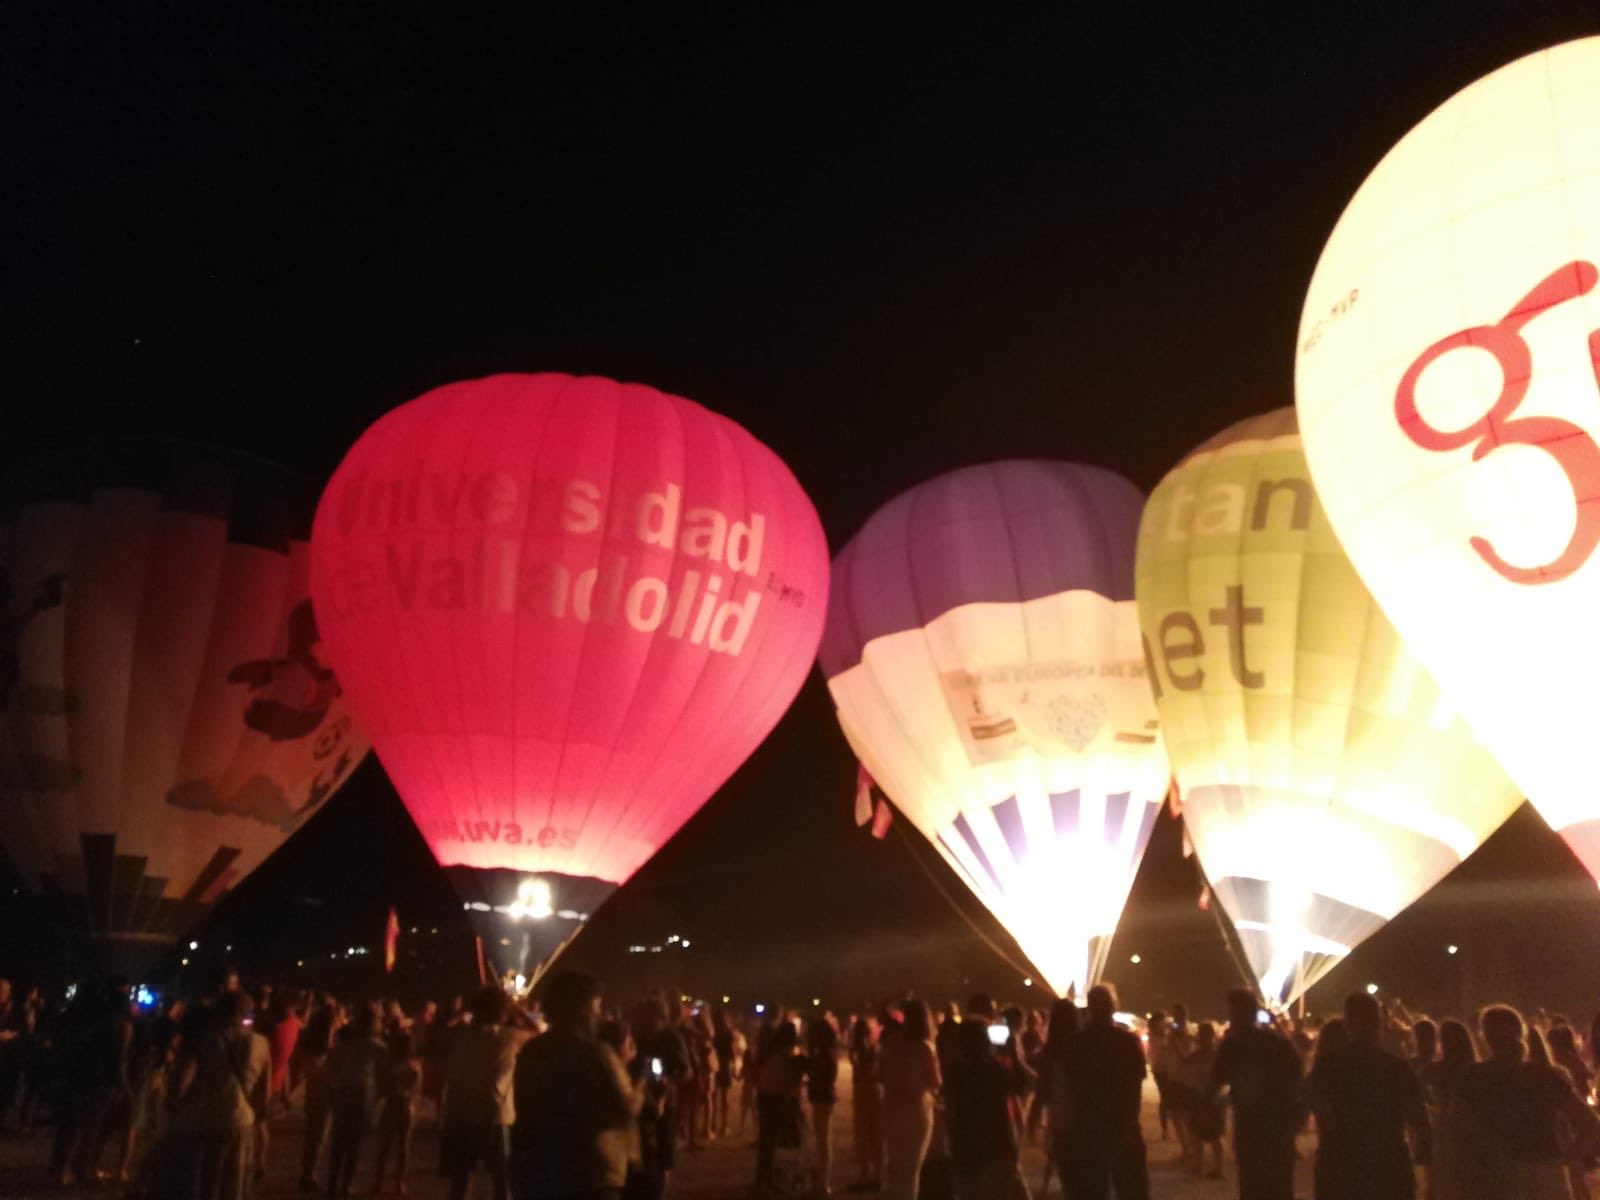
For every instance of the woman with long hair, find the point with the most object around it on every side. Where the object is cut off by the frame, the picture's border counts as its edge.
(822, 1078)
(1204, 1116)
(909, 1070)
(867, 1103)
(725, 1042)
(701, 1042)
(1506, 1121)
(1063, 1027)
(780, 1070)
(1440, 1079)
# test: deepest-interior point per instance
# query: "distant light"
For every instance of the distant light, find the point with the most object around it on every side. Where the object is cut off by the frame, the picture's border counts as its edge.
(194, 945)
(760, 1008)
(685, 943)
(505, 941)
(671, 937)
(816, 1002)
(185, 962)
(1027, 983)
(300, 962)
(1372, 989)
(1135, 960)
(1451, 949)
(228, 949)
(521, 982)
(725, 999)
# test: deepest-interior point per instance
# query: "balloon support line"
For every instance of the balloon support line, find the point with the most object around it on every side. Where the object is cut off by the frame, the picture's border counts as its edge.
(1026, 972)
(1225, 928)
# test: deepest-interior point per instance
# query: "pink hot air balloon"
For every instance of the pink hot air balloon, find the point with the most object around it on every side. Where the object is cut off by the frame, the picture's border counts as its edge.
(565, 611)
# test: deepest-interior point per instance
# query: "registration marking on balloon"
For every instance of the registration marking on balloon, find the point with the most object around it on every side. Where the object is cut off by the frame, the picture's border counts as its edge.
(1452, 416)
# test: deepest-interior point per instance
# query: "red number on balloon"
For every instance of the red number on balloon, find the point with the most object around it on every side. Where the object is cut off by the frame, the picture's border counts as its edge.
(1572, 448)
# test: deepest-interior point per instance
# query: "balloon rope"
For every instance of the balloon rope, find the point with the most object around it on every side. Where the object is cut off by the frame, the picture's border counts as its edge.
(1225, 928)
(1025, 972)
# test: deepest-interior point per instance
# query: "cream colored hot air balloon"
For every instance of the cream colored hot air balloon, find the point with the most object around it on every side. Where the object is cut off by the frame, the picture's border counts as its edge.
(1325, 783)
(1448, 381)
(166, 717)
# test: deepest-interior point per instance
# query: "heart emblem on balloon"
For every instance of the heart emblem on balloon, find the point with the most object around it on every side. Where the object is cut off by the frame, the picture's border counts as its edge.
(1448, 385)
(1076, 721)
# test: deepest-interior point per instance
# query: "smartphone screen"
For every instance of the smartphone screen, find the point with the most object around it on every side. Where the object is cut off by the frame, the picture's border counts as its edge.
(655, 1067)
(999, 1035)
(1263, 1017)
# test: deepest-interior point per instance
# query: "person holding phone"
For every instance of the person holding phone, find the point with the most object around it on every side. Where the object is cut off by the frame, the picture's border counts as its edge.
(979, 1094)
(1261, 1070)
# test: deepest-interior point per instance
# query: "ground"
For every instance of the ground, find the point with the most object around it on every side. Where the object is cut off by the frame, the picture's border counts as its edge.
(721, 1170)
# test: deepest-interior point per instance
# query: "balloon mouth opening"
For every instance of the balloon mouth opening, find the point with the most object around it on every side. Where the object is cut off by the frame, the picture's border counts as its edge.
(524, 919)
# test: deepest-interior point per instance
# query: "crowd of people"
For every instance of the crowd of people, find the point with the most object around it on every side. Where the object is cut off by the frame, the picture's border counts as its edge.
(572, 1097)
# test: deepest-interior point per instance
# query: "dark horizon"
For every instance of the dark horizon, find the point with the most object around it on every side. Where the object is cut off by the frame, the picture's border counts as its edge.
(887, 251)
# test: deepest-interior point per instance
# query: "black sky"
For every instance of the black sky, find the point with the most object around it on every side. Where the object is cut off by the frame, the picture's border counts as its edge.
(887, 247)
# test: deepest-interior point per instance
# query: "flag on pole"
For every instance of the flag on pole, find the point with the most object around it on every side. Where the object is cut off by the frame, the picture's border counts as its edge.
(882, 816)
(863, 795)
(391, 940)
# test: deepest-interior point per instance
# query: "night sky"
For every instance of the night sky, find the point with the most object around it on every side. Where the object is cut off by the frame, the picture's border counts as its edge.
(888, 249)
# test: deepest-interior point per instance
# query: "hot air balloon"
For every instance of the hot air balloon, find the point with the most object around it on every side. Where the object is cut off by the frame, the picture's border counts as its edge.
(168, 718)
(565, 610)
(983, 652)
(1448, 382)
(1325, 782)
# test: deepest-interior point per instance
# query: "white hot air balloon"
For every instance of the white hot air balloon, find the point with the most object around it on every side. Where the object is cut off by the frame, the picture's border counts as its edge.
(1448, 383)
(983, 651)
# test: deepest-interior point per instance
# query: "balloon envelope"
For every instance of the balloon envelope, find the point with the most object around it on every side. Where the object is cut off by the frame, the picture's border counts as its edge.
(1325, 783)
(167, 717)
(566, 610)
(1448, 382)
(982, 650)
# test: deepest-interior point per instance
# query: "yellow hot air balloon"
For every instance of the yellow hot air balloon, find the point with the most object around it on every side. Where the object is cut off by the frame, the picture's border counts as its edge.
(1325, 784)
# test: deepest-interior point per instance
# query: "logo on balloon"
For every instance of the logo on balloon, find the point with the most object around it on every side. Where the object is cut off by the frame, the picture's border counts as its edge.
(1573, 450)
(1077, 721)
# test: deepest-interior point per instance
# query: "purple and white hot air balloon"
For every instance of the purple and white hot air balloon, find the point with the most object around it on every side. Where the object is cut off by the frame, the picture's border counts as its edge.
(982, 648)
